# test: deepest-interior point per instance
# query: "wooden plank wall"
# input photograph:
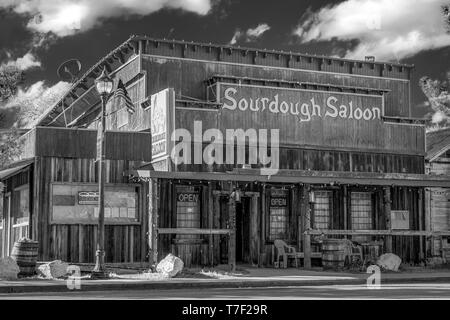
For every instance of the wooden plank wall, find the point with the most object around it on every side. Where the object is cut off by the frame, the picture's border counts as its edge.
(76, 243)
(188, 78)
(324, 133)
(328, 160)
(81, 143)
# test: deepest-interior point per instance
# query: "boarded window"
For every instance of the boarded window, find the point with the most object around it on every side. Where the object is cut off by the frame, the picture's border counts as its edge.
(361, 210)
(322, 209)
(188, 209)
(279, 215)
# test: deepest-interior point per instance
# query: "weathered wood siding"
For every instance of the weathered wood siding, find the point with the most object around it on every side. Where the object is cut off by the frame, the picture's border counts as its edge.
(438, 203)
(81, 143)
(76, 242)
(188, 78)
(298, 158)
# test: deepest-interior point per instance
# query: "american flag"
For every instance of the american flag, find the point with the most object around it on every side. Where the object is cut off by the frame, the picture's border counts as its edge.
(122, 94)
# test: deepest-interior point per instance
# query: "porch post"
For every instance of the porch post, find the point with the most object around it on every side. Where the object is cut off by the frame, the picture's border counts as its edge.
(232, 235)
(153, 192)
(387, 216)
(307, 226)
(254, 237)
(422, 254)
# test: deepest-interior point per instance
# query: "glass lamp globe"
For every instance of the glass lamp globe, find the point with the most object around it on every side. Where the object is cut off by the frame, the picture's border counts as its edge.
(104, 84)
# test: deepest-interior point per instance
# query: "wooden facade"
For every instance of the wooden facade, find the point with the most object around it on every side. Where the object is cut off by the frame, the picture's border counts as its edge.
(437, 200)
(350, 157)
(67, 157)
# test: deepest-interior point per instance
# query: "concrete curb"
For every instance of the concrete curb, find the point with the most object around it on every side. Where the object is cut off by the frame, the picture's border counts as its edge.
(209, 284)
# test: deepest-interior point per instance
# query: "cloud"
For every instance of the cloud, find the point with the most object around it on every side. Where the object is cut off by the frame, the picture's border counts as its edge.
(30, 102)
(251, 34)
(66, 17)
(389, 30)
(26, 62)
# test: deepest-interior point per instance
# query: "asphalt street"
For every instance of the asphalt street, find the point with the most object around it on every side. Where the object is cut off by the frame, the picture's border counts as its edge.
(399, 291)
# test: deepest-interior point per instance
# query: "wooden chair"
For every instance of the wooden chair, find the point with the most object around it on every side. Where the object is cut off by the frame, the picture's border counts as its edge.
(286, 251)
(354, 250)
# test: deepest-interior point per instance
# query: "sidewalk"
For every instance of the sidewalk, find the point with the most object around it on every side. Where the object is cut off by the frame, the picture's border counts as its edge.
(253, 277)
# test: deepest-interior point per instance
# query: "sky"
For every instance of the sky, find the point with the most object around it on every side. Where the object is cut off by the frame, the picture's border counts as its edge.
(38, 35)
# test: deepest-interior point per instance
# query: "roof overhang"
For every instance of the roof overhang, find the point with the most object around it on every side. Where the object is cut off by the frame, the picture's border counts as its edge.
(15, 168)
(302, 176)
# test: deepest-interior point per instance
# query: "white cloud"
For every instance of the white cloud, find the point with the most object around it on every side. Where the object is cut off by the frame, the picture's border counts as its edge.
(251, 34)
(66, 17)
(26, 62)
(387, 29)
(32, 101)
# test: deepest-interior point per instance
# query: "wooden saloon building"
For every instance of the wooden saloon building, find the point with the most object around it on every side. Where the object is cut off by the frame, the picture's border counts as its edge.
(329, 149)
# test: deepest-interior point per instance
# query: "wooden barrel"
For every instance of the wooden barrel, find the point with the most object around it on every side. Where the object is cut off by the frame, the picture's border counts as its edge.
(333, 254)
(25, 252)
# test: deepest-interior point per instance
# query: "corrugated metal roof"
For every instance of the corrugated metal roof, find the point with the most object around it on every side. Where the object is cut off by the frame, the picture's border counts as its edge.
(15, 168)
(437, 143)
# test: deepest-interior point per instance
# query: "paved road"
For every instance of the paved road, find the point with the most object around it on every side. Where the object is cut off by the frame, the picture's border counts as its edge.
(403, 291)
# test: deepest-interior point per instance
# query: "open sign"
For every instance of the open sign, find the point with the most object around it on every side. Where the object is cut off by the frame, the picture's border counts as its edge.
(187, 197)
(278, 202)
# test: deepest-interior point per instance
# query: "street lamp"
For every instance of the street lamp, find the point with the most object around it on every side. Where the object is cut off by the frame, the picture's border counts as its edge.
(104, 86)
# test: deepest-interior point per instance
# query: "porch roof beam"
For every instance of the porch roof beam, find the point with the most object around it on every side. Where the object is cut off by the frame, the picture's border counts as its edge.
(299, 176)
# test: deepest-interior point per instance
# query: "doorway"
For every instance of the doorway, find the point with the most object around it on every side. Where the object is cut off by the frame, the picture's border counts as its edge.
(243, 230)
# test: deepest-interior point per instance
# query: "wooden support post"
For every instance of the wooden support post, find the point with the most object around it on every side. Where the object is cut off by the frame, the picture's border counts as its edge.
(422, 254)
(387, 216)
(153, 220)
(232, 237)
(217, 215)
(211, 223)
(345, 207)
(262, 239)
(306, 226)
(429, 243)
(254, 236)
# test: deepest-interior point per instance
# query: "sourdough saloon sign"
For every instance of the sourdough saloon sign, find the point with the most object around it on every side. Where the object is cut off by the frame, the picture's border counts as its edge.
(303, 104)
(312, 118)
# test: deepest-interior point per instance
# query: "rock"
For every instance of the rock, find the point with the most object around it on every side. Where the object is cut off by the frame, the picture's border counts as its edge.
(54, 269)
(8, 269)
(170, 266)
(389, 261)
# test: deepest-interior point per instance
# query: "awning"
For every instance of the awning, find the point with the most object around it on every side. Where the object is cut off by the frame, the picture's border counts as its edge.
(303, 176)
(15, 168)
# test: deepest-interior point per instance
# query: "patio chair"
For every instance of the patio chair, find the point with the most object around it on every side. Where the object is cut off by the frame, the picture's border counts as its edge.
(353, 250)
(286, 251)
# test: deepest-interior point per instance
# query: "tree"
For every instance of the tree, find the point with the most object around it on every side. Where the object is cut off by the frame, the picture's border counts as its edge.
(437, 91)
(10, 145)
(10, 78)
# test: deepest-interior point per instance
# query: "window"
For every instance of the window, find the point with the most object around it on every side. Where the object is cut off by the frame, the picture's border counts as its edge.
(361, 210)
(188, 209)
(278, 215)
(322, 209)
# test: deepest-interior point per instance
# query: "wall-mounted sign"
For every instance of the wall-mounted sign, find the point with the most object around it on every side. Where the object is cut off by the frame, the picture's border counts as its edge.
(74, 203)
(88, 197)
(162, 121)
(307, 117)
(399, 219)
(304, 105)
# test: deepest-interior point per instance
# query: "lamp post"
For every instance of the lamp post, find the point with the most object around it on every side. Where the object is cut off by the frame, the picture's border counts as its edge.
(104, 86)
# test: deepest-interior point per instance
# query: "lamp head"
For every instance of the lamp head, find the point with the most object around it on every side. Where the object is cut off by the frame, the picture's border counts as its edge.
(104, 83)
